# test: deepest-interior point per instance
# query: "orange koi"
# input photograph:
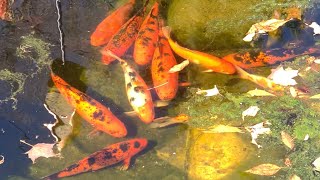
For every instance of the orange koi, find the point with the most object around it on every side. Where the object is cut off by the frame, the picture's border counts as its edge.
(111, 24)
(262, 58)
(145, 43)
(137, 91)
(110, 155)
(3, 9)
(99, 116)
(210, 62)
(165, 83)
(124, 38)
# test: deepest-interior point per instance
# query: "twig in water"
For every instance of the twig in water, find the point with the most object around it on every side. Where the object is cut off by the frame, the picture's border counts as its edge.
(58, 5)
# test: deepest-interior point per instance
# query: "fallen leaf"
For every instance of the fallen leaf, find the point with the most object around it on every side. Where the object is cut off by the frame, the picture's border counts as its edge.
(263, 27)
(316, 164)
(287, 162)
(283, 76)
(258, 92)
(317, 96)
(251, 111)
(293, 92)
(209, 92)
(40, 150)
(1, 159)
(264, 169)
(306, 137)
(256, 130)
(179, 67)
(287, 140)
(295, 177)
(317, 61)
(222, 129)
(316, 28)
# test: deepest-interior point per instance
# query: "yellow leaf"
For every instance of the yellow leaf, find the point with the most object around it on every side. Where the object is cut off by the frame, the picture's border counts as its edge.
(264, 169)
(179, 67)
(315, 96)
(258, 92)
(316, 164)
(222, 129)
(295, 177)
(287, 140)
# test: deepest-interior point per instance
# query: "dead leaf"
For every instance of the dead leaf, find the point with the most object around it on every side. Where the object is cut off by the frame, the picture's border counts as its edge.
(317, 61)
(295, 177)
(316, 28)
(251, 111)
(287, 162)
(283, 76)
(40, 150)
(209, 92)
(264, 169)
(258, 92)
(316, 164)
(287, 140)
(1, 159)
(179, 67)
(306, 137)
(263, 27)
(222, 129)
(317, 96)
(256, 130)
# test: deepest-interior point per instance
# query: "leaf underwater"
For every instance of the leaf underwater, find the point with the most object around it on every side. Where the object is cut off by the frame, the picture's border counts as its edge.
(316, 164)
(287, 140)
(179, 67)
(41, 150)
(222, 129)
(283, 76)
(259, 92)
(251, 111)
(264, 169)
(209, 92)
(295, 177)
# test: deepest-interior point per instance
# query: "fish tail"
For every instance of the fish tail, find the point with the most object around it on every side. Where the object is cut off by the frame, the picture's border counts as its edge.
(166, 31)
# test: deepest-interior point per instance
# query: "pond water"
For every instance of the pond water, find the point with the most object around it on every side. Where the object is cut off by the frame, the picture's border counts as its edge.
(30, 49)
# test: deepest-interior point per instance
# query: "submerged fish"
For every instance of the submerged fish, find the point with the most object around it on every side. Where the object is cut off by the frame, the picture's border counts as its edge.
(99, 116)
(110, 155)
(147, 38)
(124, 38)
(210, 62)
(111, 24)
(3, 8)
(262, 58)
(137, 90)
(165, 83)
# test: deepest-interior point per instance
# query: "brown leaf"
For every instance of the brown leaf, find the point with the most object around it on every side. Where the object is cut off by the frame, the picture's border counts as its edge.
(40, 150)
(287, 162)
(264, 169)
(287, 140)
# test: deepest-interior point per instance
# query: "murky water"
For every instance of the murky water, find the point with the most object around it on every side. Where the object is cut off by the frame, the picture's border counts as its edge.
(29, 48)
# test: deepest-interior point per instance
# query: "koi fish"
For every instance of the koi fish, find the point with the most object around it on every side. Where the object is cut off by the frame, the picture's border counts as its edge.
(262, 58)
(111, 24)
(3, 8)
(99, 116)
(110, 155)
(124, 38)
(168, 121)
(165, 83)
(210, 62)
(137, 91)
(145, 43)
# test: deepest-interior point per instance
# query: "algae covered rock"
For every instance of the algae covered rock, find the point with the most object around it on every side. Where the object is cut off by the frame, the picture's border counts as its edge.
(218, 24)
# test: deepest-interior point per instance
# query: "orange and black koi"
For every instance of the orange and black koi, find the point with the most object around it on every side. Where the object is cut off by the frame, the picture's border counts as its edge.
(147, 38)
(263, 58)
(110, 155)
(210, 62)
(137, 91)
(3, 8)
(165, 83)
(99, 116)
(124, 38)
(111, 24)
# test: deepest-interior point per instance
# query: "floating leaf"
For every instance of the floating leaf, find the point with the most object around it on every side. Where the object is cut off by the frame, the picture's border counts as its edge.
(293, 92)
(209, 92)
(264, 169)
(287, 140)
(251, 111)
(306, 137)
(256, 130)
(1, 159)
(258, 92)
(315, 96)
(179, 67)
(222, 129)
(316, 164)
(316, 28)
(263, 27)
(295, 177)
(283, 76)
(40, 150)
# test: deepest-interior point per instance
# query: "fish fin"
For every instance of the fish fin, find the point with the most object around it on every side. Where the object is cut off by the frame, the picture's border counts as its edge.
(126, 164)
(208, 71)
(161, 103)
(185, 84)
(166, 31)
(131, 113)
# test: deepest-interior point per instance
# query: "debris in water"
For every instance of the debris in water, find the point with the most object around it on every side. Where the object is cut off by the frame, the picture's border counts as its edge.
(264, 169)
